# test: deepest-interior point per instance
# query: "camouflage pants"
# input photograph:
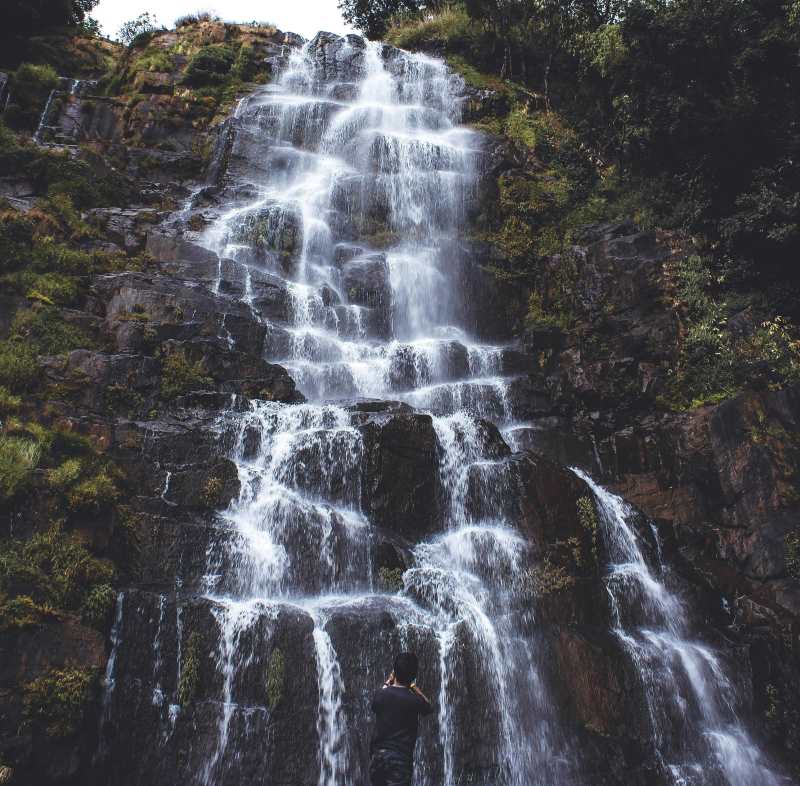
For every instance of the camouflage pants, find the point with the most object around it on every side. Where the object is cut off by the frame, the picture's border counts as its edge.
(387, 768)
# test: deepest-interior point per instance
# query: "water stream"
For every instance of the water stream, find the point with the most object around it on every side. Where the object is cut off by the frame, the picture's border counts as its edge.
(346, 191)
(684, 680)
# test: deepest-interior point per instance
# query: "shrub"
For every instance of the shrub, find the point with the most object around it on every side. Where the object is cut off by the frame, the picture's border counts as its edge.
(19, 368)
(138, 31)
(16, 240)
(65, 474)
(9, 403)
(58, 701)
(93, 494)
(22, 612)
(44, 328)
(53, 568)
(587, 516)
(99, 606)
(29, 89)
(246, 64)
(86, 184)
(179, 376)
(196, 18)
(211, 492)
(52, 289)
(211, 65)
(18, 458)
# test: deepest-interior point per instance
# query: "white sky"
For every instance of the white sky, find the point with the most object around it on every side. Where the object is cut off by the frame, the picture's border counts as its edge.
(297, 16)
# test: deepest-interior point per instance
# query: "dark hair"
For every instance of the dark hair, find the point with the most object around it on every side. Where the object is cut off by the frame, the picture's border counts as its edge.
(405, 667)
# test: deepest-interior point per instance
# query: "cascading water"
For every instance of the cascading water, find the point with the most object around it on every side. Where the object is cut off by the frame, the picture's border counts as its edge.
(363, 322)
(346, 187)
(682, 679)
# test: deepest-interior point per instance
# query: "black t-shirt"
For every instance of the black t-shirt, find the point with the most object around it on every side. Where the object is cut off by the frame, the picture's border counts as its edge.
(396, 713)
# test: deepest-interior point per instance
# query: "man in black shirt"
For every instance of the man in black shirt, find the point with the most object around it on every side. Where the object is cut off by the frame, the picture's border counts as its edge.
(397, 707)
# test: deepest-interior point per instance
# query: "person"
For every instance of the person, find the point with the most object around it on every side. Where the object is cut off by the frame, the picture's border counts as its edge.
(397, 707)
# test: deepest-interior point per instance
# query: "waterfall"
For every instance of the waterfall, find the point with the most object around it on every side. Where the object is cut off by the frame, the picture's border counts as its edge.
(342, 201)
(359, 177)
(709, 744)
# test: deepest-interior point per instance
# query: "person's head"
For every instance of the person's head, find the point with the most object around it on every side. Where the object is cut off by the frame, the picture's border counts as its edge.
(405, 668)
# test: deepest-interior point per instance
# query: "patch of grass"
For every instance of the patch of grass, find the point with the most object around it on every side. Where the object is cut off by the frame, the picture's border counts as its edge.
(53, 568)
(94, 494)
(63, 476)
(18, 458)
(179, 376)
(9, 403)
(45, 329)
(58, 701)
(449, 28)
(22, 612)
(155, 60)
(210, 65)
(19, 368)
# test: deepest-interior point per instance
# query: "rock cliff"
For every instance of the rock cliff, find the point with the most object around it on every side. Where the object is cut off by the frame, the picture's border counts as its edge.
(154, 377)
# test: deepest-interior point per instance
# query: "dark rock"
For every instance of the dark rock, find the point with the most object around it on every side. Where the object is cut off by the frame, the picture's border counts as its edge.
(400, 487)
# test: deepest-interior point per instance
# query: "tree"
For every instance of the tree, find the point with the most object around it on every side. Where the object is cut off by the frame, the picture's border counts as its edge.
(130, 31)
(372, 17)
(25, 17)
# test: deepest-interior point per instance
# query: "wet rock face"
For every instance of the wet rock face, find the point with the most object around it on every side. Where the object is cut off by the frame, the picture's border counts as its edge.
(34, 654)
(400, 491)
(336, 58)
(285, 551)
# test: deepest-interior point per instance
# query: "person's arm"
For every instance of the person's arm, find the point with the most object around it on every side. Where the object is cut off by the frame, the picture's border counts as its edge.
(427, 706)
(389, 681)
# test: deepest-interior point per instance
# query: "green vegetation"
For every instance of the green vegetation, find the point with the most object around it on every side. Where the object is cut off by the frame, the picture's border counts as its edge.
(450, 27)
(137, 32)
(587, 516)
(9, 403)
(211, 492)
(391, 578)
(30, 86)
(546, 578)
(18, 459)
(98, 606)
(209, 66)
(179, 376)
(23, 17)
(716, 362)
(57, 702)
(84, 178)
(93, 494)
(275, 677)
(190, 669)
(53, 569)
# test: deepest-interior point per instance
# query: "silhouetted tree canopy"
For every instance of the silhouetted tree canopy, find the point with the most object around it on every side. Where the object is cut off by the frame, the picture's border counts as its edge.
(372, 17)
(34, 16)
